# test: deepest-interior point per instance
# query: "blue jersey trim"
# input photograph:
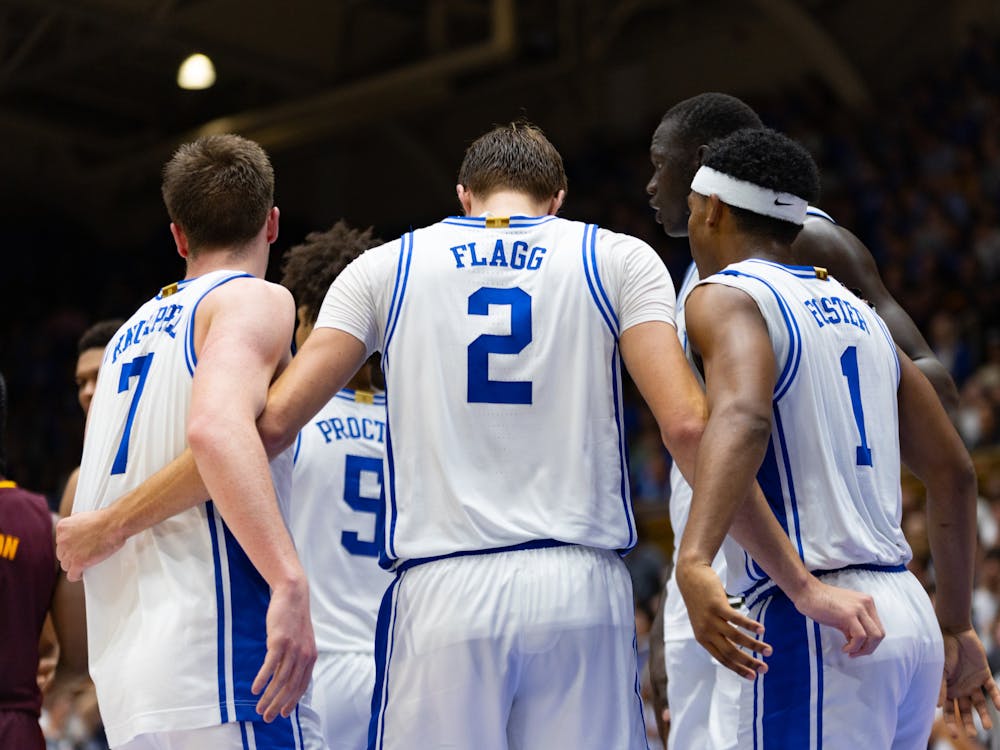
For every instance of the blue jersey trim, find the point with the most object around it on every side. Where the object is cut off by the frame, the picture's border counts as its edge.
(250, 596)
(533, 544)
(189, 353)
(597, 278)
(622, 462)
(818, 649)
(516, 222)
(383, 655)
(394, 318)
(789, 480)
(387, 547)
(243, 735)
(586, 271)
(638, 689)
(791, 367)
(298, 447)
(786, 718)
(801, 272)
(220, 604)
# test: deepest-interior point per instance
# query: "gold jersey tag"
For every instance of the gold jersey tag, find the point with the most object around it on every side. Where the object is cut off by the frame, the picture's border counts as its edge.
(364, 397)
(497, 222)
(168, 290)
(821, 273)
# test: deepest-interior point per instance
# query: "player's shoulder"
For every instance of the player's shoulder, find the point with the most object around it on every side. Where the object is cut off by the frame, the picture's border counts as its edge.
(822, 242)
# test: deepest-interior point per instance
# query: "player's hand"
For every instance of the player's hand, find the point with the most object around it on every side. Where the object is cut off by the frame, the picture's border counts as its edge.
(291, 651)
(967, 682)
(717, 625)
(85, 539)
(850, 612)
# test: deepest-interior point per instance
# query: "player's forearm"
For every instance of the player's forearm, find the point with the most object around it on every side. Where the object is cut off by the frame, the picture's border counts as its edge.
(173, 489)
(731, 449)
(951, 531)
(231, 458)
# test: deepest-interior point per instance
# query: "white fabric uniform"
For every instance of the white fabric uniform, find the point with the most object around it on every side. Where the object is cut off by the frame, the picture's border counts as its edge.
(691, 670)
(337, 492)
(176, 618)
(831, 476)
(500, 348)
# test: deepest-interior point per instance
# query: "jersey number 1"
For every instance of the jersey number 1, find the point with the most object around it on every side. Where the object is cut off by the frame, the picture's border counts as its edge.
(137, 368)
(849, 367)
(481, 389)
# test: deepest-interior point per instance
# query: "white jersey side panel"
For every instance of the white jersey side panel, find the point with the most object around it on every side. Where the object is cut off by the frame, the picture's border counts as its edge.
(835, 490)
(676, 625)
(337, 495)
(500, 348)
(166, 652)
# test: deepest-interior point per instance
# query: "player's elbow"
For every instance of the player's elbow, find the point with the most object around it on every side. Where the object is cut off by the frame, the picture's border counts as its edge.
(684, 434)
(205, 433)
(273, 434)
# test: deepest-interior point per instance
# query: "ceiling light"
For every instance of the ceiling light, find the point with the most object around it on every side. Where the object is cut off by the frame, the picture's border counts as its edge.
(195, 73)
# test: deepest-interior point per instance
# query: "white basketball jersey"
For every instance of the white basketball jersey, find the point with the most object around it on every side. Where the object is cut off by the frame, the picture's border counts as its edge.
(676, 624)
(831, 472)
(500, 348)
(337, 495)
(166, 651)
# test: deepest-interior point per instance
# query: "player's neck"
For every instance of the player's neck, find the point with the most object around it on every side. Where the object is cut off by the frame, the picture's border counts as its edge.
(744, 247)
(508, 203)
(251, 260)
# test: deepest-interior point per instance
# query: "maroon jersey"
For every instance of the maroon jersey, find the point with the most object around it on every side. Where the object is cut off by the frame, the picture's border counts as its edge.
(27, 581)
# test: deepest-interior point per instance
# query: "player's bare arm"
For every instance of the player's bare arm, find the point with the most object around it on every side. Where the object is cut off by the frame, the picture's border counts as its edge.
(241, 339)
(85, 539)
(654, 358)
(846, 257)
(932, 449)
(740, 371)
(324, 364)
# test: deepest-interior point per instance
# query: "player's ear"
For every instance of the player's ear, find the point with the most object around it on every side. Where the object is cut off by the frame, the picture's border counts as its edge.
(180, 240)
(699, 155)
(556, 203)
(272, 224)
(464, 198)
(713, 214)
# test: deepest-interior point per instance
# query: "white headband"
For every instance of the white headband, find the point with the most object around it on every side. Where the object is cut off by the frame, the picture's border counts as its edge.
(747, 195)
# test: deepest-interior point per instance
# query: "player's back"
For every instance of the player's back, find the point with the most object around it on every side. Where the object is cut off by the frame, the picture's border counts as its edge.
(831, 471)
(337, 491)
(503, 380)
(165, 650)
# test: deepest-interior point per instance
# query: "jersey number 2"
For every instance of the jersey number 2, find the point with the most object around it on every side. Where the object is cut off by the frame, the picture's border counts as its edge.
(361, 503)
(849, 367)
(137, 368)
(481, 389)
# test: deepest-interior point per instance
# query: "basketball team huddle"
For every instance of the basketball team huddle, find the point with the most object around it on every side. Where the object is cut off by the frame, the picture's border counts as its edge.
(425, 551)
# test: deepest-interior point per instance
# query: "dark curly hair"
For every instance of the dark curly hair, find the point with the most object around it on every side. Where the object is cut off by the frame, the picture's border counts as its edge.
(707, 117)
(308, 269)
(771, 160)
(99, 334)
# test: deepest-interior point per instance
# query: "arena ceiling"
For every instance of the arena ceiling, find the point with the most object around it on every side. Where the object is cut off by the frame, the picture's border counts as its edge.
(351, 95)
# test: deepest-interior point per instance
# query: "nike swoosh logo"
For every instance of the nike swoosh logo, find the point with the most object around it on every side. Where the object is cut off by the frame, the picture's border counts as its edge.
(780, 203)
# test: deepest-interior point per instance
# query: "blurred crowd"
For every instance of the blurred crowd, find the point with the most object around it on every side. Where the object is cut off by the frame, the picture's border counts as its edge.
(916, 176)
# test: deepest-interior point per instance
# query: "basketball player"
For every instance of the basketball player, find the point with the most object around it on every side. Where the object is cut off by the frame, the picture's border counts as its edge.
(337, 490)
(90, 352)
(190, 620)
(677, 148)
(802, 378)
(30, 588)
(510, 621)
